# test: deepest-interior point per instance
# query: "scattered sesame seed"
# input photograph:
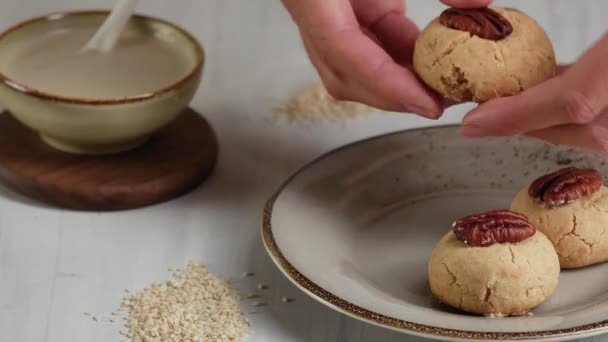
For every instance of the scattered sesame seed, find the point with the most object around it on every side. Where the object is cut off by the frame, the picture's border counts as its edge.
(286, 300)
(263, 287)
(248, 274)
(260, 304)
(96, 318)
(88, 314)
(253, 296)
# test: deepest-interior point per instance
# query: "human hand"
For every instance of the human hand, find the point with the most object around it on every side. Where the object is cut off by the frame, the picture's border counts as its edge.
(362, 50)
(570, 108)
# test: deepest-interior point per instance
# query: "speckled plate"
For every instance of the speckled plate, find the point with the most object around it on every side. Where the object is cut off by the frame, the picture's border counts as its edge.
(355, 228)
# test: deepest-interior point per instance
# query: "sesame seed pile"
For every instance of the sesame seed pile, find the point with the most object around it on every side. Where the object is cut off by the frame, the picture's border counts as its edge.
(193, 306)
(314, 104)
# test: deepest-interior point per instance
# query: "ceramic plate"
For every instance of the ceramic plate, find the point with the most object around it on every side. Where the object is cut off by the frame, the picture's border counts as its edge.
(355, 228)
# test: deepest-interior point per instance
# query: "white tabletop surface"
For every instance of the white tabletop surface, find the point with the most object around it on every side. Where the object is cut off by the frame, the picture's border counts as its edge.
(56, 264)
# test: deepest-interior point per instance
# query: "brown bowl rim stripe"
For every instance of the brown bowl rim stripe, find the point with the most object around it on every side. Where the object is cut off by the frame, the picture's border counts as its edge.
(324, 296)
(24, 89)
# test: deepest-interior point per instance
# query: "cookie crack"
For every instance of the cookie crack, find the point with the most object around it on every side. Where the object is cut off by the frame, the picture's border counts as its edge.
(521, 87)
(448, 51)
(502, 59)
(512, 256)
(461, 296)
(575, 234)
(488, 294)
(454, 283)
(597, 207)
(601, 238)
(487, 297)
(540, 281)
(561, 239)
(447, 269)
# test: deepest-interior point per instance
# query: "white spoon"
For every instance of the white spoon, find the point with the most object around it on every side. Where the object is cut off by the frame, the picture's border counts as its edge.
(106, 37)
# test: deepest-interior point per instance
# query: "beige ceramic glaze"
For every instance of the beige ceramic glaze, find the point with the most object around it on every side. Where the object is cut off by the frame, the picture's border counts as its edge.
(69, 116)
(355, 230)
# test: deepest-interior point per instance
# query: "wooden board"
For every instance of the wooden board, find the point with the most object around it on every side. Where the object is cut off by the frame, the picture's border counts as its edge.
(174, 161)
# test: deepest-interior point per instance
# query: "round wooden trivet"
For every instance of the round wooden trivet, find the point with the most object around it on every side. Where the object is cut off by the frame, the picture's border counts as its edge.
(174, 161)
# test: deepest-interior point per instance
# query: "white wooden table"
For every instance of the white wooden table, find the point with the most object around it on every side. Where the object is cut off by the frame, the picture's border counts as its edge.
(55, 264)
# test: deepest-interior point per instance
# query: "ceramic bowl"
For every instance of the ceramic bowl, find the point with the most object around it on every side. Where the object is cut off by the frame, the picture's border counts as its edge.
(98, 126)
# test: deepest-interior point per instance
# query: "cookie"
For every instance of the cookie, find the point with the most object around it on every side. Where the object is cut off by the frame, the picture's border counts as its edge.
(499, 266)
(480, 54)
(570, 206)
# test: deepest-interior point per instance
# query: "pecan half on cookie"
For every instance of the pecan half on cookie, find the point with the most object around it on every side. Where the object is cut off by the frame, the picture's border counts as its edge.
(482, 22)
(498, 226)
(566, 185)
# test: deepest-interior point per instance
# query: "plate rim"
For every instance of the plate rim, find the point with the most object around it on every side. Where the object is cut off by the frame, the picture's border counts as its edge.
(337, 303)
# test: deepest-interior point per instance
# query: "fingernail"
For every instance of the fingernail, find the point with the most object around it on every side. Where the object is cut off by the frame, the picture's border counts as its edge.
(473, 131)
(425, 112)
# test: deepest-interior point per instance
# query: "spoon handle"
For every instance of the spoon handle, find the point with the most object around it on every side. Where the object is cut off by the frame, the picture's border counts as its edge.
(106, 37)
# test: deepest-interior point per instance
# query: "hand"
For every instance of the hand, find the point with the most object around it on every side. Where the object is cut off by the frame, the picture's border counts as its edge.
(569, 109)
(363, 51)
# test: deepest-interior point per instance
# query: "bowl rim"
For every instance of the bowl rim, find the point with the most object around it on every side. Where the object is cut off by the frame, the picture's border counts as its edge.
(27, 90)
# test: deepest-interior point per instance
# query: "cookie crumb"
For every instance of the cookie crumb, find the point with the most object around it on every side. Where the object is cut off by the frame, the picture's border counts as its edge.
(495, 315)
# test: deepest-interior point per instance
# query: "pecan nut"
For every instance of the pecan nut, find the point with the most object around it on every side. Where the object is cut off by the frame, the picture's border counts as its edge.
(566, 185)
(482, 22)
(500, 226)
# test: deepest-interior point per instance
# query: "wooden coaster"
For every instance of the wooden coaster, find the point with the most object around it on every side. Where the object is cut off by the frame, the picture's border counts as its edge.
(174, 161)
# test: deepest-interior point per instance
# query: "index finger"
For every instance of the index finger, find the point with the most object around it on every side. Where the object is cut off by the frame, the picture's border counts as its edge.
(358, 59)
